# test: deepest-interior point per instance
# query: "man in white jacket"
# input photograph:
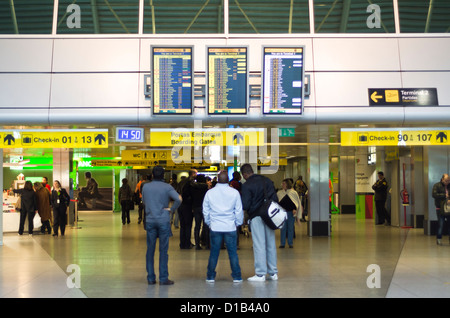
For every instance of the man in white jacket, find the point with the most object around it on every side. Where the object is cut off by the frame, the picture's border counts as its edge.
(222, 211)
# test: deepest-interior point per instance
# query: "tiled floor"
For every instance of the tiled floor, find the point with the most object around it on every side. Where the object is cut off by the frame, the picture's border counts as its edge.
(111, 262)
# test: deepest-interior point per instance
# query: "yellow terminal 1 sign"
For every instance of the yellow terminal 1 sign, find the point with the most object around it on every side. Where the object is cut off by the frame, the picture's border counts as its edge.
(54, 138)
(395, 137)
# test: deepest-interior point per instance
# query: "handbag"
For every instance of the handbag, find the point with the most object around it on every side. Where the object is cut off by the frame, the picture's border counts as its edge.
(287, 203)
(446, 209)
(130, 204)
(272, 213)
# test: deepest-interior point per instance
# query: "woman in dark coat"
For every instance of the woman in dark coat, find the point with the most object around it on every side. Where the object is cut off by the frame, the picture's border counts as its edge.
(28, 206)
(60, 202)
(43, 198)
(125, 196)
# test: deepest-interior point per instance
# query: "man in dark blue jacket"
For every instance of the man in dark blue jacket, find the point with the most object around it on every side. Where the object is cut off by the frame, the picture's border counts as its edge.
(264, 247)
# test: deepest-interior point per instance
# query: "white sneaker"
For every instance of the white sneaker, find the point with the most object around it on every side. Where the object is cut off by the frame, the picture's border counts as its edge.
(257, 278)
(237, 280)
(272, 277)
(210, 280)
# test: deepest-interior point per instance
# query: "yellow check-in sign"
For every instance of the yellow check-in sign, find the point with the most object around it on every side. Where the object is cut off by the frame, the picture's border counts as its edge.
(54, 138)
(395, 137)
(206, 137)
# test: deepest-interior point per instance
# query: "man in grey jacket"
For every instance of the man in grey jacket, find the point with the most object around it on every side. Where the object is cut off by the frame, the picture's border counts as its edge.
(156, 196)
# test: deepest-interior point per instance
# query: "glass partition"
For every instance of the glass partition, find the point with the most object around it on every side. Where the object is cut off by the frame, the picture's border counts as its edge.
(26, 16)
(98, 17)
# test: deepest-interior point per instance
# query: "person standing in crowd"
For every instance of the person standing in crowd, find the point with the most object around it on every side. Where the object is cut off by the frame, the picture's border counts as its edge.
(156, 196)
(441, 195)
(381, 187)
(185, 211)
(302, 191)
(174, 217)
(125, 197)
(222, 211)
(236, 181)
(28, 206)
(290, 201)
(45, 184)
(264, 246)
(43, 198)
(138, 191)
(60, 202)
(198, 189)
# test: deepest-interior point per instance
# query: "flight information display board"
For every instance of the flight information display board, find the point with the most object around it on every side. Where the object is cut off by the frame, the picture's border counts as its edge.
(227, 80)
(172, 80)
(282, 91)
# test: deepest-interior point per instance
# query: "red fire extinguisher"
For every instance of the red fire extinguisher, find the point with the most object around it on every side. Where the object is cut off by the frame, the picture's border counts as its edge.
(405, 197)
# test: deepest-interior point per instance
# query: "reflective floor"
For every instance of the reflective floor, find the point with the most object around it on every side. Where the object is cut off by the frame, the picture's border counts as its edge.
(110, 259)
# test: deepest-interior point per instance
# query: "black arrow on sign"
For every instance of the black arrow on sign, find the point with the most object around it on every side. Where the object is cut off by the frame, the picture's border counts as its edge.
(10, 139)
(238, 137)
(99, 138)
(441, 136)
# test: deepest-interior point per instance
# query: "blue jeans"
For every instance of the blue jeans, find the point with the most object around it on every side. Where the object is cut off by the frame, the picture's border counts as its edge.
(288, 228)
(264, 247)
(230, 242)
(441, 224)
(157, 229)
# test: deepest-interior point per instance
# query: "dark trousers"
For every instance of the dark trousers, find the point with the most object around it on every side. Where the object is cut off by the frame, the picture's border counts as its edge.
(23, 216)
(198, 216)
(125, 211)
(59, 219)
(141, 209)
(186, 218)
(382, 213)
(46, 226)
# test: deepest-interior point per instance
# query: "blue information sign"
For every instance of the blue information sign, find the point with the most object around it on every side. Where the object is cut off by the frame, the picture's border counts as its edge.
(283, 86)
(227, 80)
(172, 80)
(129, 134)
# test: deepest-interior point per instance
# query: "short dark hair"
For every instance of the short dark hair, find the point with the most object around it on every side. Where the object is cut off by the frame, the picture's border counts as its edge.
(87, 174)
(223, 177)
(381, 173)
(158, 172)
(246, 168)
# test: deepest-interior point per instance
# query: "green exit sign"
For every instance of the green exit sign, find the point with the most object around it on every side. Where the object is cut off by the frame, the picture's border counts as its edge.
(286, 132)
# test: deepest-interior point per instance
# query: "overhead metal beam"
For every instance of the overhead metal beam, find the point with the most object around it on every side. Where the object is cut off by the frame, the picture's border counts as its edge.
(291, 11)
(430, 13)
(13, 16)
(327, 15)
(95, 16)
(246, 17)
(117, 17)
(196, 16)
(345, 15)
(152, 7)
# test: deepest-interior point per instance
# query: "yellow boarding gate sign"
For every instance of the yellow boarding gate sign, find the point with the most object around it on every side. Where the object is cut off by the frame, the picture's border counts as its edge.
(164, 137)
(395, 136)
(54, 138)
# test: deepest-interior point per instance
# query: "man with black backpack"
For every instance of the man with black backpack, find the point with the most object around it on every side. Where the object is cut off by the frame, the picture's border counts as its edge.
(264, 245)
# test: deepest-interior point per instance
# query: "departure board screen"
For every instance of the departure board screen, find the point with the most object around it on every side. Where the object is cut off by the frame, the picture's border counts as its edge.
(227, 80)
(282, 80)
(172, 80)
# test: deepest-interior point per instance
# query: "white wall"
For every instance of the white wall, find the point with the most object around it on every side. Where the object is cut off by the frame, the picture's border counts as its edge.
(55, 80)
